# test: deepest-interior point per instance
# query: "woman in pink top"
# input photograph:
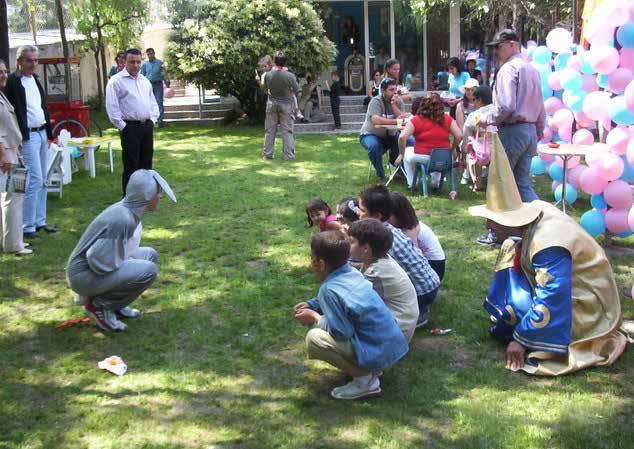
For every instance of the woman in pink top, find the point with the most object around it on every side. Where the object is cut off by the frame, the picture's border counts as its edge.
(318, 213)
(431, 129)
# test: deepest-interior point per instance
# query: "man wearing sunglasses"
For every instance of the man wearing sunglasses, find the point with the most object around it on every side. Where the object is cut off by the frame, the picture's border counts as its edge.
(518, 109)
(384, 109)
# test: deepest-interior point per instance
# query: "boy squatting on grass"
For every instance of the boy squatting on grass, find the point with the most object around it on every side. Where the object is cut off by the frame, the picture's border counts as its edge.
(354, 331)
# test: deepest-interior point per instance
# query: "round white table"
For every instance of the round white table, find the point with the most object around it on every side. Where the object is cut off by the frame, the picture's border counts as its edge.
(565, 151)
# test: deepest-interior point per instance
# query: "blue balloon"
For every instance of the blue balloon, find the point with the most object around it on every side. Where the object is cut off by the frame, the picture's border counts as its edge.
(619, 112)
(625, 35)
(574, 99)
(586, 68)
(530, 52)
(571, 193)
(593, 222)
(571, 80)
(598, 202)
(559, 94)
(556, 172)
(542, 55)
(602, 80)
(547, 92)
(538, 166)
(628, 171)
(560, 60)
(625, 233)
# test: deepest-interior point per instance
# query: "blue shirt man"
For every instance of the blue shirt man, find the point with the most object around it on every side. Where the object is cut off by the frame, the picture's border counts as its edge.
(154, 71)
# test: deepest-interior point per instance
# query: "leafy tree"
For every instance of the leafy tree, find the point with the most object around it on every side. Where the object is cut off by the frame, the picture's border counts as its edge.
(220, 45)
(108, 22)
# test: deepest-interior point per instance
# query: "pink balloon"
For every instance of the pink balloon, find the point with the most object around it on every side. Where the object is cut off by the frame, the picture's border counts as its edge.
(630, 152)
(597, 33)
(629, 96)
(574, 62)
(548, 158)
(583, 121)
(531, 43)
(618, 194)
(630, 222)
(565, 134)
(610, 167)
(604, 59)
(616, 220)
(618, 140)
(575, 174)
(613, 14)
(562, 119)
(619, 79)
(591, 182)
(627, 58)
(554, 81)
(595, 105)
(583, 137)
(548, 134)
(589, 83)
(552, 105)
(594, 156)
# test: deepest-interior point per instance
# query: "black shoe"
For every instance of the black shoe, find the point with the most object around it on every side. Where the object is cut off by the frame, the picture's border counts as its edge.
(423, 319)
(32, 235)
(46, 228)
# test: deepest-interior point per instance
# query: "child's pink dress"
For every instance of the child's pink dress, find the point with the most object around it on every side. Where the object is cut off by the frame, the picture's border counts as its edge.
(324, 224)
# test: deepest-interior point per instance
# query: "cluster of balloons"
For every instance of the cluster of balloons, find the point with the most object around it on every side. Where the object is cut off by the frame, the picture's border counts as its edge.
(583, 89)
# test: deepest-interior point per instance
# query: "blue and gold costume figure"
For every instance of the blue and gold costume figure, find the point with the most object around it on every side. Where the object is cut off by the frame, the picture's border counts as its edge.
(553, 290)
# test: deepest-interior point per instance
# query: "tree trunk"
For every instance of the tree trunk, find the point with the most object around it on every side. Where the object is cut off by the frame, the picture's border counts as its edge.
(62, 33)
(102, 50)
(4, 34)
(99, 83)
(516, 16)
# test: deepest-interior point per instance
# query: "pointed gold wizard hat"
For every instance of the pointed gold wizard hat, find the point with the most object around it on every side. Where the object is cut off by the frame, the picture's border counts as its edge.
(504, 203)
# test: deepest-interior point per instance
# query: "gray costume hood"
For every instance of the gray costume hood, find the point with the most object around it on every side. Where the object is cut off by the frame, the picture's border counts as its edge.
(142, 187)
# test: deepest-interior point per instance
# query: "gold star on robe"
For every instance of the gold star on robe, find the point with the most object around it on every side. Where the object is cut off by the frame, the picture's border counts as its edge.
(543, 277)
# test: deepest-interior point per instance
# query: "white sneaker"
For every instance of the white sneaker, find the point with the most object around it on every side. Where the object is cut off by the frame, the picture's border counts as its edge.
(128, 312)
(24, 252)
(359, 387)
(113, 322)
(435, 179)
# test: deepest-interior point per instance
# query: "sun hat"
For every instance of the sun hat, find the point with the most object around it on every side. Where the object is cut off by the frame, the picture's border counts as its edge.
(504, 204)
(469, 84)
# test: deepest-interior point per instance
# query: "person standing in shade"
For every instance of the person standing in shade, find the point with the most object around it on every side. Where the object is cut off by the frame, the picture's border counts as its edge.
(518, 109)
(10, 202)
(119, 66)
(282, 88)
(27, 96)
(132, 109)
(154, 71)
(335, 99)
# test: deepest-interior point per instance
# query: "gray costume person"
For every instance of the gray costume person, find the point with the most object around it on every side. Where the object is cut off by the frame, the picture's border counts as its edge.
(282, 89)
(102, 267)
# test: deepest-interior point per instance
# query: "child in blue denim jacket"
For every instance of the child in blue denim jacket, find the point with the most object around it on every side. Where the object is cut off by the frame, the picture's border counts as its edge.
(355, 330)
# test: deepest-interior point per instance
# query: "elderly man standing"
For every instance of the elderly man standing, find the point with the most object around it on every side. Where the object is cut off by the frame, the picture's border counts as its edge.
(27, 96)
(154, 71)
(282, 89)
(518, 109)
(132, 108)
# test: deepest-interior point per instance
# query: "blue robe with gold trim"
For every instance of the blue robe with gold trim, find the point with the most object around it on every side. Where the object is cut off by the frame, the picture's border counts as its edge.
(539, 318)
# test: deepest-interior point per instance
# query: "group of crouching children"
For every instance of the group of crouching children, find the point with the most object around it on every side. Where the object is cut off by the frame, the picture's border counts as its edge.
(381, 269)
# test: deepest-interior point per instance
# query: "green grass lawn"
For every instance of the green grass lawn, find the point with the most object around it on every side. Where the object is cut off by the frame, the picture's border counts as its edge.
(217, 361)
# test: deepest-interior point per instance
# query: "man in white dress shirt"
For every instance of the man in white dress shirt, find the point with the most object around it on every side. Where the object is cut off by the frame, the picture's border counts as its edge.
(132, 108)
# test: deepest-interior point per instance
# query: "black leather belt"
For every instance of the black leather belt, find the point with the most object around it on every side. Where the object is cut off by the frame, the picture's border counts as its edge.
(37, 130)
(138, 122)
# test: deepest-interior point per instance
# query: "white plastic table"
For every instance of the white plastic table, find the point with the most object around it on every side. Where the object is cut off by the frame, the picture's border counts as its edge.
(566, 151)
(89, 153)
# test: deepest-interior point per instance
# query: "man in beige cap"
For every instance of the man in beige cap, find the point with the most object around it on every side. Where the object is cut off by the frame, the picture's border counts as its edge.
(553, 299)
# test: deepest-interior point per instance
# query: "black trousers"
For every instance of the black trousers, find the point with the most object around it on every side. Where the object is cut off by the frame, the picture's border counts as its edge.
(137, 142)
(334, 106)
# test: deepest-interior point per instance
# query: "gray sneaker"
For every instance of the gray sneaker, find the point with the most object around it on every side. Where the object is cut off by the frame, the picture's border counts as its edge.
(423, 319)
(113, 322)
(128, 312)
(488, 240)
(359, 387)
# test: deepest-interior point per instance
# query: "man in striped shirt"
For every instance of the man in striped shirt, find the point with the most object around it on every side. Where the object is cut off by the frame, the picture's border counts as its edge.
(375, 202)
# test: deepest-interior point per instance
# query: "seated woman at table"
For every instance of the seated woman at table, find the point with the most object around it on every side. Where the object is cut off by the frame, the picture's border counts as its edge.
(431, 129)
